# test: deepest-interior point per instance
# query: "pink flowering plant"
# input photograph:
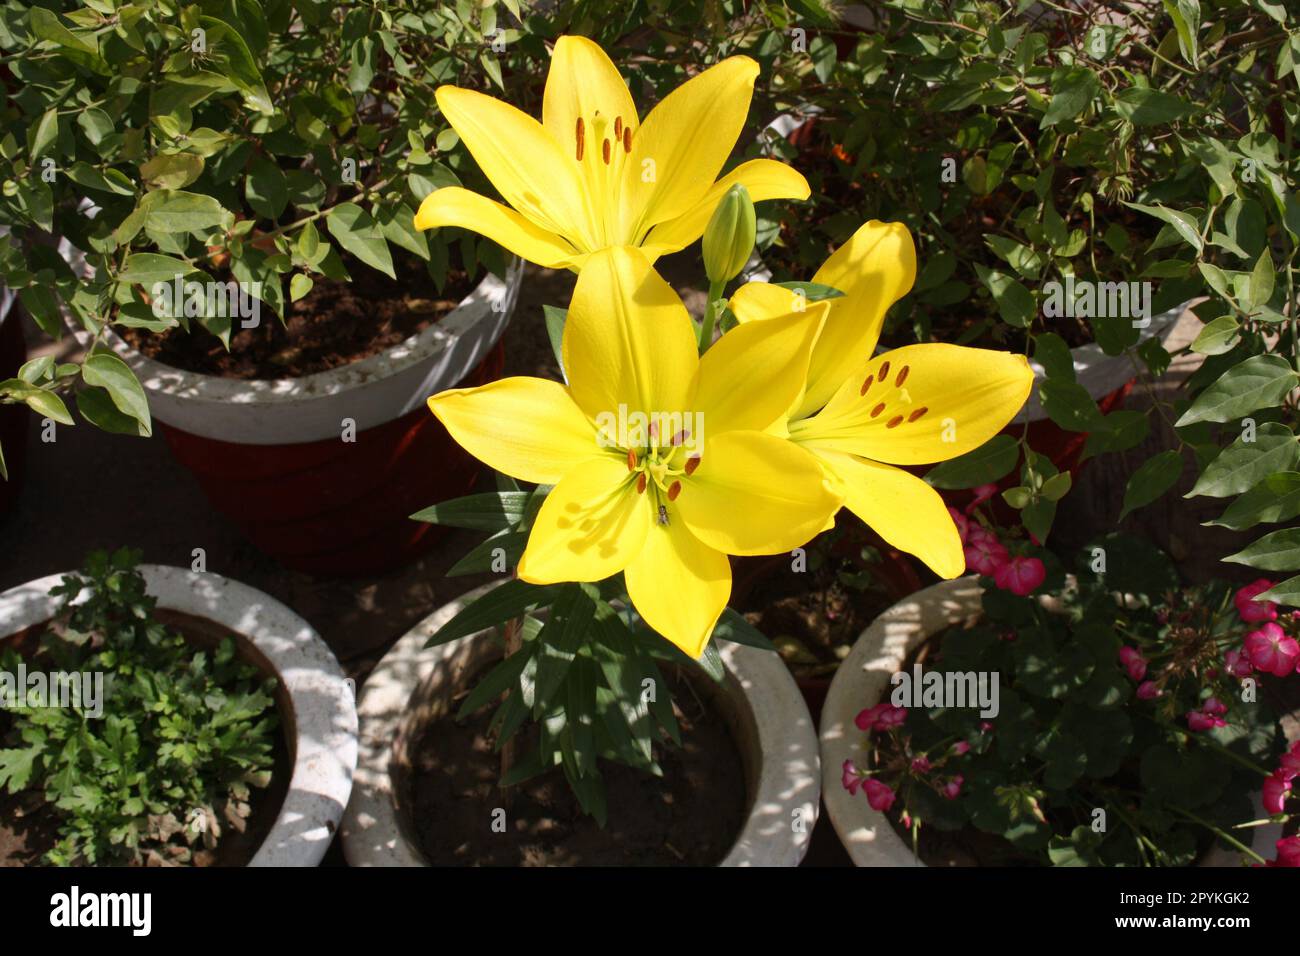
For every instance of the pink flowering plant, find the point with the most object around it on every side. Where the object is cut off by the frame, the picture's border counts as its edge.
(1133, 724)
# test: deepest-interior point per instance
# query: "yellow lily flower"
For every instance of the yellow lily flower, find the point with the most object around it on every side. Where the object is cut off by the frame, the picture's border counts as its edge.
(862, 414)
(591, 174)
(660, 458)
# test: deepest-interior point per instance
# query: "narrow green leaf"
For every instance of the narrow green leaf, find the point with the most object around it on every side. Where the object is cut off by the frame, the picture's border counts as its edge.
(1155, 476)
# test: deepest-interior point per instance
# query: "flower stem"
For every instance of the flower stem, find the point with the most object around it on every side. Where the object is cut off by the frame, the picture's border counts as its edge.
(710, 315)
(1226, 837)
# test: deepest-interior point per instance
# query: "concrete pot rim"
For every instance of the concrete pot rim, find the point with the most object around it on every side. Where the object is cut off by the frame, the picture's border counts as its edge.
(324, 746)
(787, 784)
(288, 410)
(861, 681)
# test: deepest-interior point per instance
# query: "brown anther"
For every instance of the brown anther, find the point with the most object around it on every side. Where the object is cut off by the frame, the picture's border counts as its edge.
(653, 431)
(631, 460)
(902, 375)
(618, 127)
(604, 151)
(627, 139)
(878, 409)
(894, 422)
(867, 384)
(581, 138)
(692, 463)
(917, 414)
(640, 483)
(674, 490)
(678, 439)
(884, 371)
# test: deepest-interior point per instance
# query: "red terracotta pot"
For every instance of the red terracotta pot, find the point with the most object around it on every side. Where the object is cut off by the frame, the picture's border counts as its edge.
(336, 508)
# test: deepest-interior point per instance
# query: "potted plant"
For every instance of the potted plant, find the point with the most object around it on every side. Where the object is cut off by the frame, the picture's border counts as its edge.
(253, 278)
(1109, 717)
(155, 716)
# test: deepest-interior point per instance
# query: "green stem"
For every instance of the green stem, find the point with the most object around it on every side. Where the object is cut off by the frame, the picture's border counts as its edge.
(1226, 837)
(710, 315)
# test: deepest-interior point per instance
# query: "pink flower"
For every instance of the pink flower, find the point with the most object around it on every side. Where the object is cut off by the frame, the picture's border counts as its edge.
(906, 820)
(1147, 690)
(986, 727)
(1276, 789)
(952, 788)
(960, 748)
(881, 717)
(1288, 852)
(1133, 662)
(982, 494)
(1214, 707)
(1238, 663)
(961, 521)
(879, 795)
(1208, 717)
(1020, 575)
(921, 764)
(849, 777)
(1272, 651)
(1253, 611)
(984, 552)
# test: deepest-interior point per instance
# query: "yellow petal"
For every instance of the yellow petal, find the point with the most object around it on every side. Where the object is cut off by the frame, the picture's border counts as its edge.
(923, 404)
(628, 340)
(522, 160)
(874, 269)
(752, 375)
(764, 178)
(763, 300)
(902, 509)
(528, 428)
(755, 494)
(454, 206)
(679, 585)
(680, 148)
(590, 526)
(582, 81)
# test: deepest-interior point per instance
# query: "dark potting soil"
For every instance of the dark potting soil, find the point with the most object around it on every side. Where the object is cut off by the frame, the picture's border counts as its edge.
(334, 324)
(689, 817)
(29, 825)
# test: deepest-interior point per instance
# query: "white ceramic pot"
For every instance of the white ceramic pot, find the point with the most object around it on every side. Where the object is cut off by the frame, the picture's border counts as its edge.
(863, 681)
(321, 722)
(411, 685)
(370, 391)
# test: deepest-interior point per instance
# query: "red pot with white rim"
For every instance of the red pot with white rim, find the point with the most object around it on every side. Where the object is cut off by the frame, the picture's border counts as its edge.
(321, 471)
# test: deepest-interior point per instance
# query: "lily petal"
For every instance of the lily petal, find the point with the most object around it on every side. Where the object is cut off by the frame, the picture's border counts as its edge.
(764, 178)
(454, 206)
(528, 428)
(591, 525)
(751, 376)
(679, 585)
(522, 160)
(921, 404)
(874, 269)
(755, 494)
(902, 509)
(680, 148)
(628, 339)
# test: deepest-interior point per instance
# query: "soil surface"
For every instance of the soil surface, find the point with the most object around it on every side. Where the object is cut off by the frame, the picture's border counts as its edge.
(334, 324)
(29, 826)
(689, 817)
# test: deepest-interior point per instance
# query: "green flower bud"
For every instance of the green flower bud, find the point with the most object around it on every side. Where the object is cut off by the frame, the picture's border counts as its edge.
(729, 238)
